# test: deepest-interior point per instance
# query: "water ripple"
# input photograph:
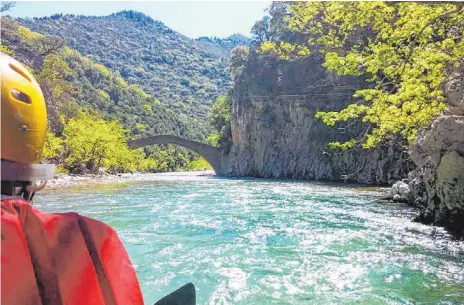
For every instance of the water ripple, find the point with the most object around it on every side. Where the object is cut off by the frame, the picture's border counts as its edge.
(255, 241)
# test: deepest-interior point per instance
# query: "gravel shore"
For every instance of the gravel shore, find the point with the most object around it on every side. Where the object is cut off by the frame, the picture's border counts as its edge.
(67, 181)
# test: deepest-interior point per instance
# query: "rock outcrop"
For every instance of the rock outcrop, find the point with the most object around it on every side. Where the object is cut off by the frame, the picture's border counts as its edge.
(275, 133)
(439, 156)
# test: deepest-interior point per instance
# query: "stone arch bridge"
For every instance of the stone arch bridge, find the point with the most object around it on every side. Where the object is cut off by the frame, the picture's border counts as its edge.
(212, 154)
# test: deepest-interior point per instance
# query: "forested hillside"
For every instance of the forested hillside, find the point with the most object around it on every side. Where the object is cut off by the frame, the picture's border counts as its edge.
(85, 99)
(181, 73)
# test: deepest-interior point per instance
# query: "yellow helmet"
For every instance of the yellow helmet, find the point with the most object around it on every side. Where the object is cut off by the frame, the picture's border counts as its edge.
(24, 123)
(24, 114)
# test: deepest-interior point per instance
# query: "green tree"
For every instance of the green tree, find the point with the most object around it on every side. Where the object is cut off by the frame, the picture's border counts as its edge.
(5, 50)
(58, 92)
(405, 49)
(198, 164)
(261, 30)
(92, 142)
(48, 44)
(53, 151)
(52, 79)
(238, 59)
(219, 119)
(27, 35)
(53, 147)
(214, 139)
(272, 27)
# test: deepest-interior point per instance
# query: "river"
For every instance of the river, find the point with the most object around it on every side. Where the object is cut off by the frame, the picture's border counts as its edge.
(258, 241)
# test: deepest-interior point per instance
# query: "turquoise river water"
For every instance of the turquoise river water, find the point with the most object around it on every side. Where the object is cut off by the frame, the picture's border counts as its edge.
(257, 241)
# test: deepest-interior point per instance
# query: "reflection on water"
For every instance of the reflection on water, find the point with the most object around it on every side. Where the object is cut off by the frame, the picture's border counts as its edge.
(260, 241)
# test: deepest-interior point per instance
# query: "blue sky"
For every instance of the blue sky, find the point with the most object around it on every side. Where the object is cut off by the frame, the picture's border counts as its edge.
(191, 18)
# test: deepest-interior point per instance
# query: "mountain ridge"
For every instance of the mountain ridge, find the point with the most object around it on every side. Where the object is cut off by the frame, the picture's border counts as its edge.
(74, 84)
(179, 71)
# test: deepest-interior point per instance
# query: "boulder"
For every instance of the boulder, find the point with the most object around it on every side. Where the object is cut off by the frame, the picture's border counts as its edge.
(400, 192)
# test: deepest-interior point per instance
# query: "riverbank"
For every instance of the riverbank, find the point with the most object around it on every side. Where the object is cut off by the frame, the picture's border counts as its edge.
(63, 181)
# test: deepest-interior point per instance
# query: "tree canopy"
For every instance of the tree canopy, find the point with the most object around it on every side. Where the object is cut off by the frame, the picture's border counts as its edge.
(404, 49)
(91, 143)
(219, 119)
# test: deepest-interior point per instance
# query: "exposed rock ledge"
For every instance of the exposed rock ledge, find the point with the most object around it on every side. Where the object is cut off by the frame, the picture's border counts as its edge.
(436, 187)
(439, 156)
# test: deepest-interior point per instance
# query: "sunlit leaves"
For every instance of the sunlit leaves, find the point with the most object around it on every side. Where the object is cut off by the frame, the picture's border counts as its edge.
(53, 146)
(343, 146)
(347, 65)
(103, 70)
(27, 34)
(199, 164)
(350, 112)
(283, 49)
(52, 79)
(89, 141)
(405, 49)
(214, 139)
(95, 143)
(5, 50)
(148, 108)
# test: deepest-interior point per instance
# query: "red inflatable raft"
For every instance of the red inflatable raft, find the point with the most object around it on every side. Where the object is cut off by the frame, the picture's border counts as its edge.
(62, 259)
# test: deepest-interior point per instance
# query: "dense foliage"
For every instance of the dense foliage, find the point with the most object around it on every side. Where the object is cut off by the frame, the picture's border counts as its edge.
(89, 143)
(72, 83)
(181, 73)
(405, 49)
(238, 59)
(219, 118)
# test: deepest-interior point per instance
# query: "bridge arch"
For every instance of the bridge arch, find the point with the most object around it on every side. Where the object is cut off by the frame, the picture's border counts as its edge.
(210, 153)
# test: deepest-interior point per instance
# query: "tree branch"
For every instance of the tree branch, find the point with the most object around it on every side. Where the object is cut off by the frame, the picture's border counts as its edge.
(411, 49)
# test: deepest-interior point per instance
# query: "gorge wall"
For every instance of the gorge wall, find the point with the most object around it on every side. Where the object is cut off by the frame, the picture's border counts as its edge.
(275, 132)
(275, 135)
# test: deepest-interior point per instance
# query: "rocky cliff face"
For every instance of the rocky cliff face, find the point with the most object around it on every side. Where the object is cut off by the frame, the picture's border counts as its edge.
(275, 133)
(439, 155)
(437, 185)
